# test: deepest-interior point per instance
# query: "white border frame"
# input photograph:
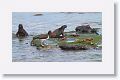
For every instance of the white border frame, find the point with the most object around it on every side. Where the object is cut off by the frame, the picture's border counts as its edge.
(104, 67)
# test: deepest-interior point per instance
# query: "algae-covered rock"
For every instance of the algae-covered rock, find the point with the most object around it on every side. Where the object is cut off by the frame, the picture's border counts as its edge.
(80, 42)
(36, 42)
(47, 44)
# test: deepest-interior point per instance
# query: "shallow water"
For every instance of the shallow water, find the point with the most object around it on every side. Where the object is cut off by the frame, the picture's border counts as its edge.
(23, 52)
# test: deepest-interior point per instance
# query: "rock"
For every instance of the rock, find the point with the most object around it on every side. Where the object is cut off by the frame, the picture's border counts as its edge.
(41, 36)
(70, 40)
(39, 14)
(74, 35)
(85, 29)
(73, 47)
(21, 31)
(36, 42)
(43, 44)
(87, 40)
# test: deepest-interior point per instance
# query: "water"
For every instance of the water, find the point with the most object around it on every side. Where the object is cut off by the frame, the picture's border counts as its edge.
(34, 25)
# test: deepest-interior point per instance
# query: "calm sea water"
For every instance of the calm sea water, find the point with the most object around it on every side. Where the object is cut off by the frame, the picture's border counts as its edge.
(34, 25)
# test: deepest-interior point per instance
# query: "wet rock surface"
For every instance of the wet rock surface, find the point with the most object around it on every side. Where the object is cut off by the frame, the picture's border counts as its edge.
(79, 42)
(73, 47)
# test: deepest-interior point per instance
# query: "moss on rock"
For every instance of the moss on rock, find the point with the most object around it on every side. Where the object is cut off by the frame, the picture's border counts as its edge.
(81, 42)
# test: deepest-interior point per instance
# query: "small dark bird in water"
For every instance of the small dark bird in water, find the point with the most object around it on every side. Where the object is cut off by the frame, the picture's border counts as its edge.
(21, 31)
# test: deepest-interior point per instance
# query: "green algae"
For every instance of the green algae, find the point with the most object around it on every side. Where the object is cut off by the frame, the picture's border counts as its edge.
(79, 40)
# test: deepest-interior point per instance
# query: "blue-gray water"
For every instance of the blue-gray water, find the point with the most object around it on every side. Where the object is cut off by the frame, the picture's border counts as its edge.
(34, 25)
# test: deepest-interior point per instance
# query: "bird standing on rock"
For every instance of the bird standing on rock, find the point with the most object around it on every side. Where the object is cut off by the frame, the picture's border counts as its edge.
(43, 41)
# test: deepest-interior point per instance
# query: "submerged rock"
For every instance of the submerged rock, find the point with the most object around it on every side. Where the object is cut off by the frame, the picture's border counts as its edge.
(36, 42)
(73, 47)
(38, 14)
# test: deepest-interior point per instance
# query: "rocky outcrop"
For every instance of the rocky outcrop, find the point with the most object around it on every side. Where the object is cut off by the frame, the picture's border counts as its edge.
(41, 36)
(69, 40)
